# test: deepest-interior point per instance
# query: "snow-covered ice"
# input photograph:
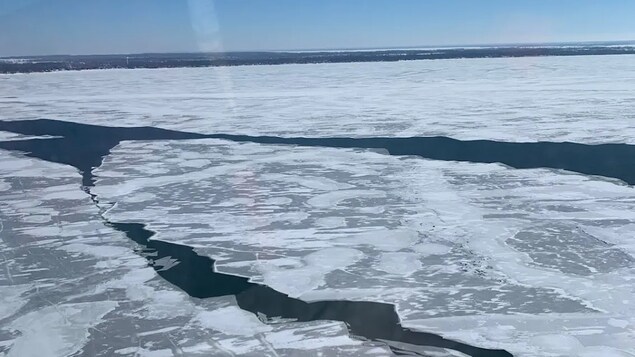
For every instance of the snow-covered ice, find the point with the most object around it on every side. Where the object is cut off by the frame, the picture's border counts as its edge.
(588, 99)
(539, 262)
(454, 244)
(70, 285)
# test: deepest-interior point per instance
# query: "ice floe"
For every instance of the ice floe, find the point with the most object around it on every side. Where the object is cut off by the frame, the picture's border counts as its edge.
(454, 244)
(578, 98)
(70, 284)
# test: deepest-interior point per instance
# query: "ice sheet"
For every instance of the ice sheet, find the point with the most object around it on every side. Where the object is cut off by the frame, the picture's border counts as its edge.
(59, 330)
(538, 262)
(582, 98)
(473, 243)
(70, 285)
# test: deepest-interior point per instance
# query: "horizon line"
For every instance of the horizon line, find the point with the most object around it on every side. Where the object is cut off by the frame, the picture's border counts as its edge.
(351, 49)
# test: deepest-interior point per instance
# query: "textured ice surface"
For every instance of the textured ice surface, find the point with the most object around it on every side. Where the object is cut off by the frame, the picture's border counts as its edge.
(57, 330)
(538, 262)
(585, 99)
(482, 253)
(69, 285)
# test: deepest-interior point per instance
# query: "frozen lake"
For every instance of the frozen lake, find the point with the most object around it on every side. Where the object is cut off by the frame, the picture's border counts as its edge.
(538, 262)
(581, 99)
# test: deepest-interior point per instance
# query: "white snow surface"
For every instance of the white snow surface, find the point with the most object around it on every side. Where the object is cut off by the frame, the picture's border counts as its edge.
(70, 285)
(539, 262)
(588, 99)
(483, 253)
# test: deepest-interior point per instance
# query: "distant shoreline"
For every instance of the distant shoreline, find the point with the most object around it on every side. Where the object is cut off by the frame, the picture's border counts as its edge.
(33, 64)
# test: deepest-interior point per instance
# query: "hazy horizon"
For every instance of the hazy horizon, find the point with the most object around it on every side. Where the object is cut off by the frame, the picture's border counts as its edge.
(379, 48)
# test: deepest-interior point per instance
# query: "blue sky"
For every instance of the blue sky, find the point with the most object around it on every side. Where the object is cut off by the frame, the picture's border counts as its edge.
(33, 27)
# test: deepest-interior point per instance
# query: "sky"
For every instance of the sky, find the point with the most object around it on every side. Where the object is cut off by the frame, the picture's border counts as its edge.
(41, 27)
